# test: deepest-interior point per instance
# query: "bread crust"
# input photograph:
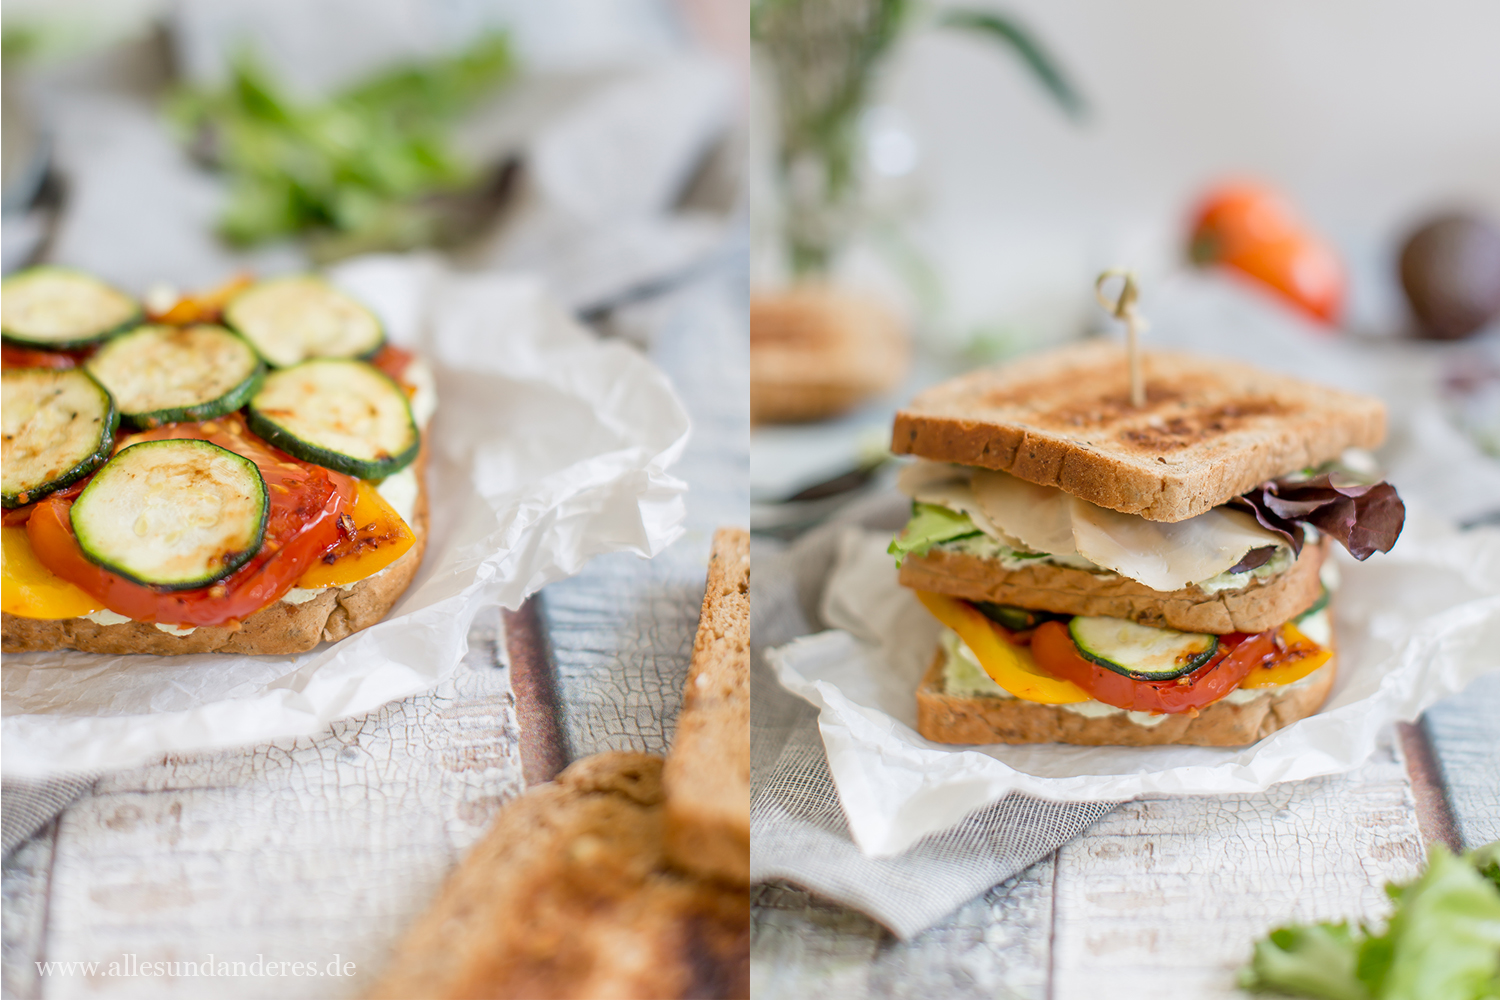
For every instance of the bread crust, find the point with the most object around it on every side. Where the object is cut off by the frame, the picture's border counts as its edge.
(707, 777)
(946, 718)
(568, 894)
(1210, 429)
(1261, 605)
(278, 629)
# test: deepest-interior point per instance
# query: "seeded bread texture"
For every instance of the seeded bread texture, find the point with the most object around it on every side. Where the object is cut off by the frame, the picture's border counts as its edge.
(1210, 429)
(979, 719)
(707, 776)
(279, 629)
(1256, 607)
(569, 894)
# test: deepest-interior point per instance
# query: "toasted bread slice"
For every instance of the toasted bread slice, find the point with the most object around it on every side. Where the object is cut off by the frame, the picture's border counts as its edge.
(568, 895)
(278, 629)
(1261, 605)
(1210, 429)
(817, 351)
(707, 777)
(949, 718)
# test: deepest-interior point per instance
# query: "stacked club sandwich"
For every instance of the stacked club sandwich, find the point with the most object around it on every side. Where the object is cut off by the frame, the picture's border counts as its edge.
(1111, 574)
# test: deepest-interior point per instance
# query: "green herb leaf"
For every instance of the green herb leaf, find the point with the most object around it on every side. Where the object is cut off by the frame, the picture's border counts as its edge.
(929, 525)
(357, 169)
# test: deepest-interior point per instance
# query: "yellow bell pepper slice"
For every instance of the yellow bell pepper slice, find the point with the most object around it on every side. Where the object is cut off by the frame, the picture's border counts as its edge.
(1011, 667)
(385, 537)
(31, 590)
(1312, 656)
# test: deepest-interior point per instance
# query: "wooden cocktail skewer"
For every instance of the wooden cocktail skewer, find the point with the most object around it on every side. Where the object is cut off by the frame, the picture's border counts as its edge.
(1123, 308)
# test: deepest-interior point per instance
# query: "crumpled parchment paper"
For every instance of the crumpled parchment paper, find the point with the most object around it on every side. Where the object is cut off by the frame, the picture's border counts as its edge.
(1413, 626)
(549, 447)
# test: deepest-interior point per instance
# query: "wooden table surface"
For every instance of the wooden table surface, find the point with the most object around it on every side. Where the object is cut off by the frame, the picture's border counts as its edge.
(1165, 895)
(310, 849)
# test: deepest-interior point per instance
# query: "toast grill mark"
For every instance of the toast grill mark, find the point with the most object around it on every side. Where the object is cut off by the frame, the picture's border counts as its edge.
(1189, 429)
(1171, 420)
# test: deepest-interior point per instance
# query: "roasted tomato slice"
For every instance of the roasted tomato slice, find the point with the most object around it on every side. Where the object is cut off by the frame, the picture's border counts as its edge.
(392, 360)
(1238, 655)
(306, 501)
(16, 517)
(27, 357)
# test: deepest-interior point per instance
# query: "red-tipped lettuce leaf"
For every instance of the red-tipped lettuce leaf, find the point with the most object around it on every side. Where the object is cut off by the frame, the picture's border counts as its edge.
(1365, 517)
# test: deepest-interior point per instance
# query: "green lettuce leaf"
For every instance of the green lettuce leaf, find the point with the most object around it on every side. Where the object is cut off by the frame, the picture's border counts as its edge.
(1442, 942)
(929, 525)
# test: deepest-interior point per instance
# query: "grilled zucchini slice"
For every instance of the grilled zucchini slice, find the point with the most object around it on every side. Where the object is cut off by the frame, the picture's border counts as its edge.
(1014, 618)
(1141, 652)
(175, 514)
(290, 320)
(58, 309)
(344, 415)
(58, 426)
(164, 374)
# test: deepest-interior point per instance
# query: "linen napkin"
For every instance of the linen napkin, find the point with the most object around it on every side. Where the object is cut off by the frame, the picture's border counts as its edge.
(798, 831)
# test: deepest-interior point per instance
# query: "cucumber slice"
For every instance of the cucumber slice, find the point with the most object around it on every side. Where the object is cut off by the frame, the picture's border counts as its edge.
(164, 374)
(292, 319)
(56, 308)
(1141, 652)
(175, 514)
(345, 415)
(59, 425)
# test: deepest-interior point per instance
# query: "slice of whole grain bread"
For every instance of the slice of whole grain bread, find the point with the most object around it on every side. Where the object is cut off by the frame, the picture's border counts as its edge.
(1261, 605)
(1211, 429)
(569, 895)
(707, 777)
(816, 351)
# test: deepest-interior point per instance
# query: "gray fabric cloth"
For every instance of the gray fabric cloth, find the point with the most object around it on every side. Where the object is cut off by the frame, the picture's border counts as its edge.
(798, 832)
(27, 806)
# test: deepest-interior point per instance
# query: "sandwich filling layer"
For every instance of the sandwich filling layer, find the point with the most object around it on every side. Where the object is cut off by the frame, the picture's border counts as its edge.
(964, 676)
(994, 515)
(372, 519)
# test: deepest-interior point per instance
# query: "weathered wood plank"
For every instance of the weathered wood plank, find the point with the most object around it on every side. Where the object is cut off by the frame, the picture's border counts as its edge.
(622, 629)
(994, 947)
(1176, 890)
(1465, 735)
(23, 932)
(297, 850)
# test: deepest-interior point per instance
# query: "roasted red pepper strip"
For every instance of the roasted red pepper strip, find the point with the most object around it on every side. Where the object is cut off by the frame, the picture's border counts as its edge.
(28, 357)
(306, 501)
(1238, 655)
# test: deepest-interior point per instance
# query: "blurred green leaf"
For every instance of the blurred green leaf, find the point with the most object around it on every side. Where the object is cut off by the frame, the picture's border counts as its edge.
(1442, 943)
(353, 168)
(999, 28)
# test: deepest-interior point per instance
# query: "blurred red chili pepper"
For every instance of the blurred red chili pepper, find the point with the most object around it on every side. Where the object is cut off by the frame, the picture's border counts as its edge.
(1251, 229)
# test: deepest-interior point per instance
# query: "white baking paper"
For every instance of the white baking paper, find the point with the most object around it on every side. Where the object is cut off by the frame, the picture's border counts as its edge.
(1414, 626)
(549, 447)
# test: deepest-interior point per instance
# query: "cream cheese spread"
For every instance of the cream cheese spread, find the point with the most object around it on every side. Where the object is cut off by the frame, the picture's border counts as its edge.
(177, 629)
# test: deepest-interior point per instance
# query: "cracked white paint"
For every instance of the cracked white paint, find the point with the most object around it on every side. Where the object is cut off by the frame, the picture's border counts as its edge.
(1175, 891)
(297, 849)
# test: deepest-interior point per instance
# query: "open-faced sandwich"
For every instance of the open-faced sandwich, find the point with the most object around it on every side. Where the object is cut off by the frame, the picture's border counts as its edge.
(239, 473)
(1112, 574)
